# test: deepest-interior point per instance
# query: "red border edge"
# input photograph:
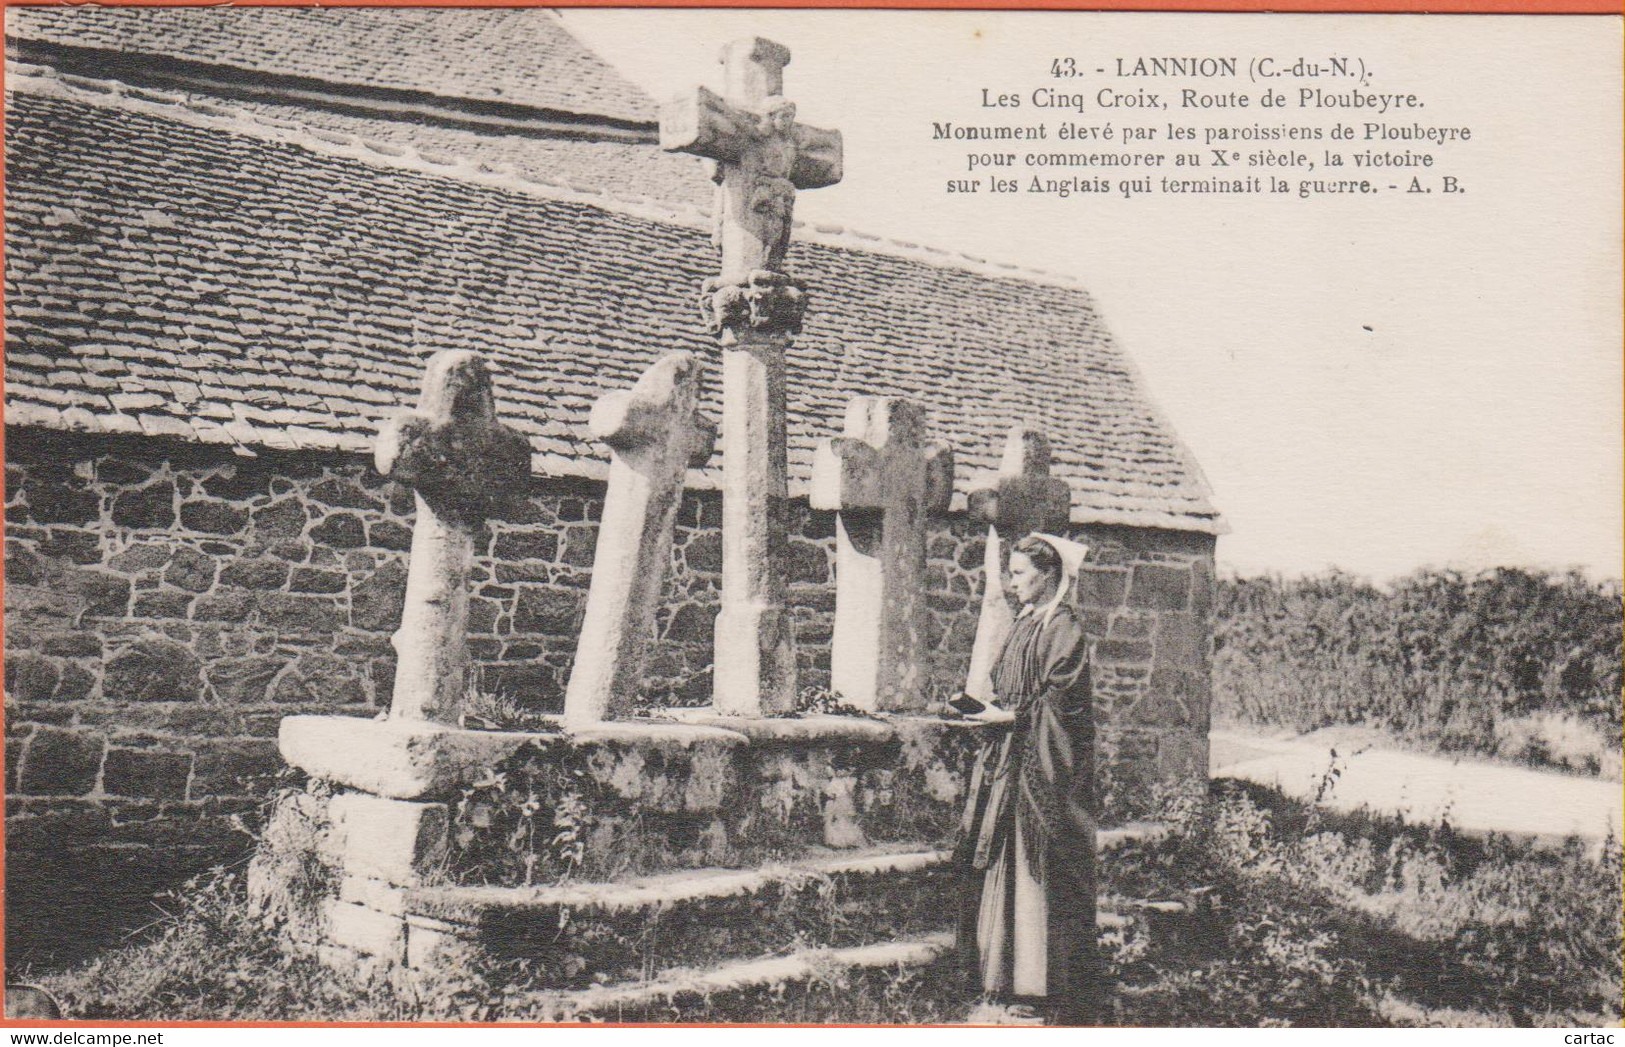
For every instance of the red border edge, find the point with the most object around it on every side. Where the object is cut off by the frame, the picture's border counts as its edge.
(1519, 7)
(1415, 7)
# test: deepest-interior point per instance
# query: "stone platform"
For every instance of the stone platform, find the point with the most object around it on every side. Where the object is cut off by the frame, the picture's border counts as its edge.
(643, 797)
(632, 870)
(621, 848)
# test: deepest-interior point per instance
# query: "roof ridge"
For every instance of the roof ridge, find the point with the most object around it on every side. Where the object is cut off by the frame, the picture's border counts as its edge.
(31, 78)
(492, 54)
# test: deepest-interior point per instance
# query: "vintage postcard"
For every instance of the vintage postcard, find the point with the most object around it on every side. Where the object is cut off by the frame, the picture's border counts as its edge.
(988, 518)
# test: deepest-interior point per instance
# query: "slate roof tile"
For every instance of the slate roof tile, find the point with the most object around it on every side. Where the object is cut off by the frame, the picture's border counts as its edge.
(569, 299)
(526, 57)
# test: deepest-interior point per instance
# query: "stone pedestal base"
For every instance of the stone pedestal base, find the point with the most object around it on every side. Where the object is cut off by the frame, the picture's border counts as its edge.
(755, 670)
(425, 833)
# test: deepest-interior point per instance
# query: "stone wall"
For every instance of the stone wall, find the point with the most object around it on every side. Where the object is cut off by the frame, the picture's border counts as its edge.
(168, 604)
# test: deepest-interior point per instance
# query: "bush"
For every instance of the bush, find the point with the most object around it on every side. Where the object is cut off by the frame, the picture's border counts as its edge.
(1511, 663)
(1298, 916)
(209, 958)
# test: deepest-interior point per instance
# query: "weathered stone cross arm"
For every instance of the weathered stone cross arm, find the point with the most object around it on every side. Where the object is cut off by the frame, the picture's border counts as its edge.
(870, 467)
(703, 123)
(452, 450)
(656, 417)
(1022, 496)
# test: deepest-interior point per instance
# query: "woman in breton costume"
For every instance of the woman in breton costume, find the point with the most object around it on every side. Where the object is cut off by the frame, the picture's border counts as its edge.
(1027, 844)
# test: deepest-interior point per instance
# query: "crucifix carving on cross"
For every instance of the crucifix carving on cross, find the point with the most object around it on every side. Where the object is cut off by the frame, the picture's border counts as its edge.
(1022, 497)
(762, 157)
(458, 459)
(885, 479)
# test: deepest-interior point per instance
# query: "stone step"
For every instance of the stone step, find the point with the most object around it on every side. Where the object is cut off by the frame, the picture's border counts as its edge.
(749, 990)
(808, 985)
(569, 933)
(670, 890)
(564, 935)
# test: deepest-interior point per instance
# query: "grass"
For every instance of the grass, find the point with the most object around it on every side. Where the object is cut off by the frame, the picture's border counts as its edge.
(1304, 917)
(1292, 916)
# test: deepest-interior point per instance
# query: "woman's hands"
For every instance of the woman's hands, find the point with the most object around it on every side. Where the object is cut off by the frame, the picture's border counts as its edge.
(968, 708)
(992, 714)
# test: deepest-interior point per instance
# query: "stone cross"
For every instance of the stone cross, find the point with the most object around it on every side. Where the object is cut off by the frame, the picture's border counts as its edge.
(654, 435)
(458, 459)
(883, 467)
(1022, 497)
(762, 157)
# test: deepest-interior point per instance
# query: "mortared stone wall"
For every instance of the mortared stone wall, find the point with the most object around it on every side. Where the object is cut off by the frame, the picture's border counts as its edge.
(167, 604)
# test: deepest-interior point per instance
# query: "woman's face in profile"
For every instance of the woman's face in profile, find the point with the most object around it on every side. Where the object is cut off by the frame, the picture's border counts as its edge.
(1027, 581)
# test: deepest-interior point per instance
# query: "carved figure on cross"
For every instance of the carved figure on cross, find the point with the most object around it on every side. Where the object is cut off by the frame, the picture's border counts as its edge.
(1018, 499)
(885, 478)
(762, 155)
(458, 459)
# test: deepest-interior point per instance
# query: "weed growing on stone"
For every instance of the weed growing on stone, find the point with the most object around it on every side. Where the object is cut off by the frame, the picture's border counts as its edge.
(822, 701)
(523, 822)
(500, 710)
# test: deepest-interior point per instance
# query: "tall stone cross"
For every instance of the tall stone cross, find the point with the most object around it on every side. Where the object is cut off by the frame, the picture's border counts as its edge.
(654, 435)
(762, 157)
(458, 459)
(1022, 497)
(885, 478)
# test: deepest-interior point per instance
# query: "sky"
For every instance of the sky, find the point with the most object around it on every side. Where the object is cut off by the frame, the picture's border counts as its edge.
(1372, 383)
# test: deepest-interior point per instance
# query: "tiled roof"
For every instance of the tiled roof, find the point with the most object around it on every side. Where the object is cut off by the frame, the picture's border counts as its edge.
(620, 169)
(519, 56)
(194, 275)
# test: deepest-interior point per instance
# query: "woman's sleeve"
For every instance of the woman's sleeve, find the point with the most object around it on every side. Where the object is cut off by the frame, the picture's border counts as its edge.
(1059, 772)
(1065, 657)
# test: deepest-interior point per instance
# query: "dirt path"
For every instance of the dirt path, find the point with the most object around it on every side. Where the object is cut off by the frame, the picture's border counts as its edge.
(1475, 796)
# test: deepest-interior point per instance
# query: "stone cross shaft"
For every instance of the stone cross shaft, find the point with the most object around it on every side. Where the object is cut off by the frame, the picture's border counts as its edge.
(654, 435)
(885, 479)
(458, 459)
(1022, 497)
(762, 157)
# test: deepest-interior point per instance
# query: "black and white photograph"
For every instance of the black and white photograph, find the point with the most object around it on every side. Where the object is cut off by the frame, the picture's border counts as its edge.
(813, 517)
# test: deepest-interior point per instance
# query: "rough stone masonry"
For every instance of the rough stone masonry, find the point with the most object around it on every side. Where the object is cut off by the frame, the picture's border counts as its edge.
(167, 605)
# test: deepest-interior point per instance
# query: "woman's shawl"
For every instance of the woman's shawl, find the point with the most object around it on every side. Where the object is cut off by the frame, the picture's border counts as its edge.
(1042, 772)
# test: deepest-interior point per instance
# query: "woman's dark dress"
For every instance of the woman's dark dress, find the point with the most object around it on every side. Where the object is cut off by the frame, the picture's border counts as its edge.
(1027, 844)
